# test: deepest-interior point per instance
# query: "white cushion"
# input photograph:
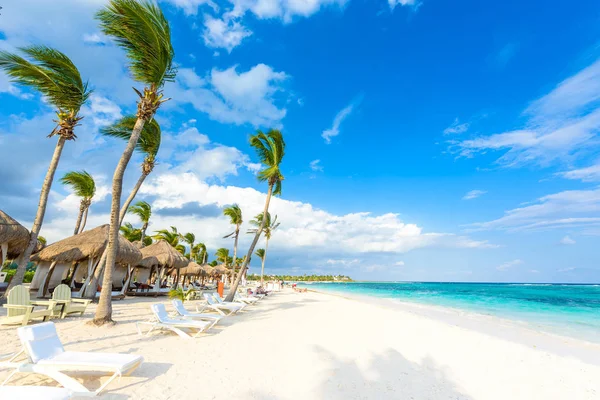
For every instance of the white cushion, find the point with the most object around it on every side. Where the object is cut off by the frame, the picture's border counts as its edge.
(40, 341)
(160, 312)
(93, 361)
(34, 392)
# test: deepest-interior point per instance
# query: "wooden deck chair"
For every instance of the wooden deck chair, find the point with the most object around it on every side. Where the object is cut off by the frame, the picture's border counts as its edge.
(20, 308)
(73, 306)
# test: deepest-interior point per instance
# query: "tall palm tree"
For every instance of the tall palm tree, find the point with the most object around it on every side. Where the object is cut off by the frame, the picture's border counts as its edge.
(270, 148)
(172, 237)
(200, 253)
(268, 227)
(189, 238)
(148, 144)
(83, 186)
(54, 75)
(144, 211)
(142, 30)
(234, 212)
(261, 253)
(222, 255)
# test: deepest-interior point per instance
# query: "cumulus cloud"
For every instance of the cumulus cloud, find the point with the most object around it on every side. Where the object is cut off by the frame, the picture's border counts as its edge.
(560, 124)
(473, 194)
(229, 96)
(226, 32)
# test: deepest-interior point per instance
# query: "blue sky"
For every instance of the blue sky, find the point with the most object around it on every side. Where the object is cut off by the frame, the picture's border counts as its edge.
(430, 140)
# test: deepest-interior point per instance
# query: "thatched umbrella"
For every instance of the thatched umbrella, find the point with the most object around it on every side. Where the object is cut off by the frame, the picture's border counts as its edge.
(13, 237)
(86, 246)
(163, 256)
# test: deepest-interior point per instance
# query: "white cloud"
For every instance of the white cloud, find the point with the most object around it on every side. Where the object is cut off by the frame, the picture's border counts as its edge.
(315, 166)
(226, 33)
(102, 110)
(587, 174)
(399, 264)
(567, 209)
(394, 3)
(473, 194)
(457, 127)
(534, 271)
(343, 262)
(230, 96)
(560, 125)
(337, 121)
(567, 240)
(566, 269)
(94, 38)
(280, 9)
(190, 7)
(509, 265)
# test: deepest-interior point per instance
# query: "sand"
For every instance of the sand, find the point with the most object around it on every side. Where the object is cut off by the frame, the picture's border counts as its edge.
(319, 346)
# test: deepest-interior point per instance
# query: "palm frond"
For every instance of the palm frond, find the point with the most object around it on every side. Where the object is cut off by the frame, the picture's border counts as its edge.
(142, 30)
(51, 73)
(142, 209)
(234, 212)
(81, 182)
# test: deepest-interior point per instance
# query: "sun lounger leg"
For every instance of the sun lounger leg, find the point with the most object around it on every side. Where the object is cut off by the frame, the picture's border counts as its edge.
(180, 332)
(112, 378)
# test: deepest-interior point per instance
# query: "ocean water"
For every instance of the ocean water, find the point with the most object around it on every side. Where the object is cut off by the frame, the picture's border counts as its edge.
(568, 310)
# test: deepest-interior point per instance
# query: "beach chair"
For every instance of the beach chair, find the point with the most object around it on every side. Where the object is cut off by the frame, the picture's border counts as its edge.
(35, 392)
(180, 309)
(46, 355)
(233, 303)
(230, 308)
(20, 308)
(65, 304)
(162, 320)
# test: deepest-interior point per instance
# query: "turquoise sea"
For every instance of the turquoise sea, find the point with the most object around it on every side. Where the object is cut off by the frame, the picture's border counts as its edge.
(565, 309)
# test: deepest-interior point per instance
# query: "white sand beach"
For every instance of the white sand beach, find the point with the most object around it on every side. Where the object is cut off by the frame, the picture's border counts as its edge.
(319, 346)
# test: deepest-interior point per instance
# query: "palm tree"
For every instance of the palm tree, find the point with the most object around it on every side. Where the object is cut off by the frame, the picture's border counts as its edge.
(189, 238)
(172, 237)
(143, 210)
(54, 75)
(134, 234)
(234, 212)
(268, 228)
(222, 255)
(142, 30)
(148, 144)
(261, 253)
(83, 185)
(200, 253)
(270, 148)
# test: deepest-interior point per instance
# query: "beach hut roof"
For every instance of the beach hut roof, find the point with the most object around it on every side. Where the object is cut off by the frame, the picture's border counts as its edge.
(162, 253)
(13, 233)
(221, 269)
(86, 245)
(192, 269)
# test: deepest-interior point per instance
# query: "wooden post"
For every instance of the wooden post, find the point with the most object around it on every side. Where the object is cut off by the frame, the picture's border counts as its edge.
(44, 288)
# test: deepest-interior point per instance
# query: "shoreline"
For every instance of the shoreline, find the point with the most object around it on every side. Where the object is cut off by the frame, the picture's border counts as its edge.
(507, 329)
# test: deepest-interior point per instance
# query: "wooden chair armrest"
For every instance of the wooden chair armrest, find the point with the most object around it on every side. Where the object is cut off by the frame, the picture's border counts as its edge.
(17, 306)
(82, 301)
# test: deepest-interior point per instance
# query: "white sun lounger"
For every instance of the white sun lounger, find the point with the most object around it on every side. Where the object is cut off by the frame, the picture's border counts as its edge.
(35, 392)
(231, 308)
(47, 356)
(178, 305)
(162, 320)
(221, 301)
(246, 299)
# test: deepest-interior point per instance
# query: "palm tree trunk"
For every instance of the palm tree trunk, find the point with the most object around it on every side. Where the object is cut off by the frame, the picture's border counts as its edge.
(144, 227)
(39, 217)
(79, 216)
(84, 219)
(262, 269)
(104, 309)
(132, 195)
(238, 278)
(237, 234)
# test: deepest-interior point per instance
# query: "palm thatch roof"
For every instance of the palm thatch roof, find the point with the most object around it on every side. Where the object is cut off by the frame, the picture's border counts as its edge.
(13, 233)
(208, 269)
(162, 253)
(221, 269)
(192, 269)
(86, 245)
